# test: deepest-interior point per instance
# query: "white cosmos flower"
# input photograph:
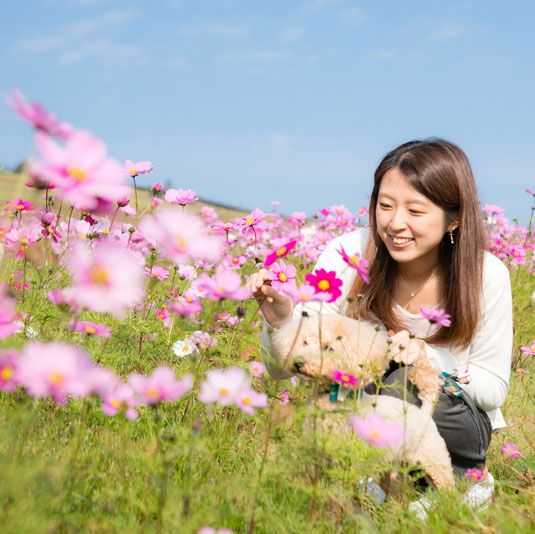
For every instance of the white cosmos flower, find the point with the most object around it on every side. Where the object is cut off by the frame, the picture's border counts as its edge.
(184, 347)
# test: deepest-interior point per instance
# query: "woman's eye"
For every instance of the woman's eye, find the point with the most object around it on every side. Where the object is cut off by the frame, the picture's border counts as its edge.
(384, 206)
(415, 212)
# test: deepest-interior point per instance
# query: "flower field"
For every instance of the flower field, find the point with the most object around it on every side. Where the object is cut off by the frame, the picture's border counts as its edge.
(133, 391)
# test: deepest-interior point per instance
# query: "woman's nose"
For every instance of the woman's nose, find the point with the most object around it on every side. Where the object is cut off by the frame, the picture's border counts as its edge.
(398, 220)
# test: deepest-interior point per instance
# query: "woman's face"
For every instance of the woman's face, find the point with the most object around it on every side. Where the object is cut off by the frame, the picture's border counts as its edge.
(410, 225)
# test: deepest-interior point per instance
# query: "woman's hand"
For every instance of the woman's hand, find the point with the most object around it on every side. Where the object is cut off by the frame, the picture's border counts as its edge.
(277, 308)
(405, 348)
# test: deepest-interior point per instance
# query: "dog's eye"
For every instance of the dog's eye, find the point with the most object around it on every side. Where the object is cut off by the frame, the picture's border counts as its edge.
(305, 342)
(339, 338)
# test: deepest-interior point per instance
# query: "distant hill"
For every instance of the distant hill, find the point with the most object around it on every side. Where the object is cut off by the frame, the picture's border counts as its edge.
(12, 187)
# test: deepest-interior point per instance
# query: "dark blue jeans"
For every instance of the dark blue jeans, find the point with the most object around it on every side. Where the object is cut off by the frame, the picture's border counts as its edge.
(464, 427)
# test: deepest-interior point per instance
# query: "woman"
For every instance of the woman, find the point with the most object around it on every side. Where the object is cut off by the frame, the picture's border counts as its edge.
(425, 247)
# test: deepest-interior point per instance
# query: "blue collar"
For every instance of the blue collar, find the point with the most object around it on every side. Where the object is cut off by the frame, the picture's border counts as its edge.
(339, 394)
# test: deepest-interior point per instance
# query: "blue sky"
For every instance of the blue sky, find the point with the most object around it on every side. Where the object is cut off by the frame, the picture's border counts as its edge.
(249, 101)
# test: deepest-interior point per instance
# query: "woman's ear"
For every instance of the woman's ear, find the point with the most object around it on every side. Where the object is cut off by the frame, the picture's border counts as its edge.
(453, 226)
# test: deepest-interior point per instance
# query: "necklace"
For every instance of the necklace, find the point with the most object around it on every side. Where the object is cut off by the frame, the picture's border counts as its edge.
(414, 292)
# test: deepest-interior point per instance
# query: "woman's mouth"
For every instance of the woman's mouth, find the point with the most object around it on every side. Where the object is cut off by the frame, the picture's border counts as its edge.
(400, 242)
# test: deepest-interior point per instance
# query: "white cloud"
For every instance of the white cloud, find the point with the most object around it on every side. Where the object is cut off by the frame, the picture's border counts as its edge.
(447, 33)
(382, 54)
(102, 49)
(353, 15)
(215, 30)
(289, 35)
(255, 56)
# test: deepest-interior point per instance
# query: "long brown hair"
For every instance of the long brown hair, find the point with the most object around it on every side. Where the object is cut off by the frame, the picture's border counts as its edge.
(440, 171)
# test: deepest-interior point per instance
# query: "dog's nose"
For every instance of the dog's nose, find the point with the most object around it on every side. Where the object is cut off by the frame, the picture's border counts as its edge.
(297, 365)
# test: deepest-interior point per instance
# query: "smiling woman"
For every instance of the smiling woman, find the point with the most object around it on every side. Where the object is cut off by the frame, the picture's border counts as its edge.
(432, 285)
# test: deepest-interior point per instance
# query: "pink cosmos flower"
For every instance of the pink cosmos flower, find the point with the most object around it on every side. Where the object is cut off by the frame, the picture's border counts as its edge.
(376, 431)
(325, 282)
(181, 236)
(55, 369)
(528, 351)
(284, 397)
(280, 252)
(121, 400)
(203, 340)
(346, 379)
(436, 316)
(492, 209)
(104, 280)
(86, 178)
(257, 369)
(8, 370)
(356, 262)
(141, 167)
(474, 474)
(225, 284)
(188, 305)
(187, 272)
(160, 273)
(208, 214)
(210, 530)
(511, 450)
(8, 314)
(282, 275)
(518, 254)
(161, 386)
(91, 329)
(223, 386)
(157, 187)
(252, 219)
(21, 205)
(38, 117)
(247, 400)
(18, 240)
(306, 293)
(182, 197)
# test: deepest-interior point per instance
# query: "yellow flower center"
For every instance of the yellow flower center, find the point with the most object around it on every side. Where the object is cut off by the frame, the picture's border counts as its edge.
(132, 171)
(20, 207)
(23, 241)
(304, 297)
(6, 373)
(246, 400)
(189, 299)
(345, 378)
(282, 277)
(223, 392)
(153, 393)
(324, 285)
(281, 251)
(354, 260)
(249, 220)
(181, 243)
(115, 403)
(56, 378)
(78, 174)
(375, 435)
(99, 275)
(90, 330)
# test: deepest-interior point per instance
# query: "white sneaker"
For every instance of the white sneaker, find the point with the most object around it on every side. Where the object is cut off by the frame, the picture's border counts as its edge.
(479, 495)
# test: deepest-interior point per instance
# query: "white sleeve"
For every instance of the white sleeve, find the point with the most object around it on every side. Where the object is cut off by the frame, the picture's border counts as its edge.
(489, 358)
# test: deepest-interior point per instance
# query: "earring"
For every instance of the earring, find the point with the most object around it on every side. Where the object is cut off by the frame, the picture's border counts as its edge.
(451, 238)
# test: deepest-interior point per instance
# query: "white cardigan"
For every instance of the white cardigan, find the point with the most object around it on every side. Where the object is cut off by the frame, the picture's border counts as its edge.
(488, 356)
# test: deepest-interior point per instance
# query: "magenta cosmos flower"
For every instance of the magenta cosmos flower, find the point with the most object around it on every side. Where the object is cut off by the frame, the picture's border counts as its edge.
(141, 167)
(90, 328)
(436, 316)
(225, 284)
(356, 262)
(38, 117)
(9, 361)
(86, 178)
(346, 379)
(181, 237)
(511, 450)
(282, 275)
(54, 369)
(224, 386)
(105, 279)
(376, 431)
(325, 282)
(280, 252)
(182, 197)
(161, 386)
(474, 474)
(121, 400)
